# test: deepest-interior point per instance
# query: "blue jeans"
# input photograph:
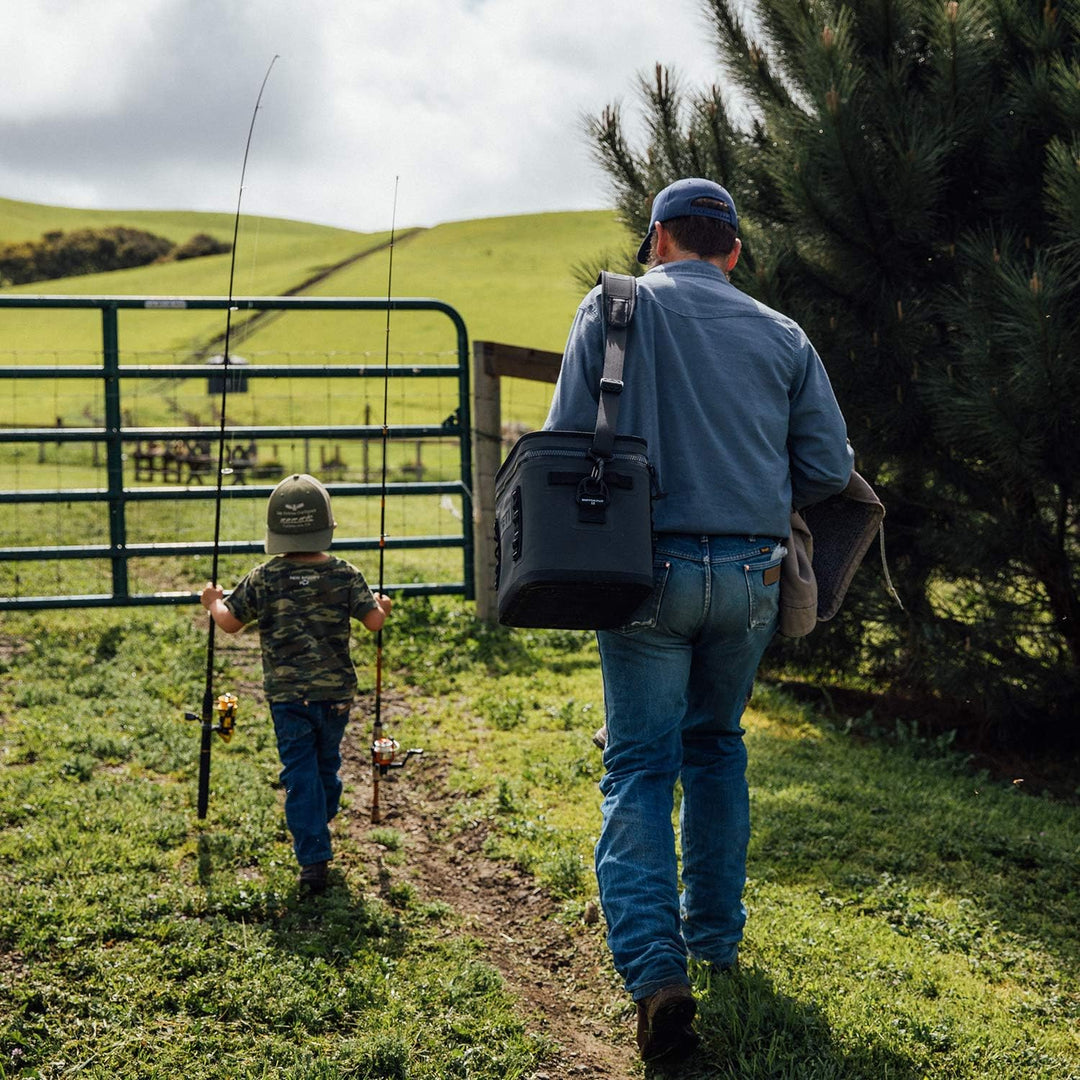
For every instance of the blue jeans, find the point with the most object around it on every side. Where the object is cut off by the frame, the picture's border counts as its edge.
(309, 737)
(676, 681)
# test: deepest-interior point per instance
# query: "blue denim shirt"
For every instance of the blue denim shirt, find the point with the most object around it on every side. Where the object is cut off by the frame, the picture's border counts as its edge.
(734, 403)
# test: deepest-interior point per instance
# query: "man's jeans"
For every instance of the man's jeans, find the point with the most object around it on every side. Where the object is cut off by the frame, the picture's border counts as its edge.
(676, 682)
(309, 744)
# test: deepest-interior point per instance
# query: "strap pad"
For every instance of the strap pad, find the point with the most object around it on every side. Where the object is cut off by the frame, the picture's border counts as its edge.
(619, 295)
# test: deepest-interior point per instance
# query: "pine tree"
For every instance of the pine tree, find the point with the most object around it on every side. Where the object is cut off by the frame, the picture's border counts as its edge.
(908, 178)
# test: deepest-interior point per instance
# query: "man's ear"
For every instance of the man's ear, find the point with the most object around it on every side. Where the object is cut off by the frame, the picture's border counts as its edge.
(733, 256)
(664, 242)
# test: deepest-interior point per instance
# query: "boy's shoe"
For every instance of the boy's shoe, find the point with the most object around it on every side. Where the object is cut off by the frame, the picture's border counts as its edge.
(663, 1024)
(600, 737)
(313, 878)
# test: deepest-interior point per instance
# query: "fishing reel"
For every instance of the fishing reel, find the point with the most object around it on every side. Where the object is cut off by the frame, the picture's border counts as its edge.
(386, 755)
(226, 708)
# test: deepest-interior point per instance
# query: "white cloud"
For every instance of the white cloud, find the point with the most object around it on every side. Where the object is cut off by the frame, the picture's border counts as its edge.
(50, 65)
(475, 104)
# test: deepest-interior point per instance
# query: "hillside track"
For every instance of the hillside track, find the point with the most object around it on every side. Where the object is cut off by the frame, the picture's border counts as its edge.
(260, 319)
(561, 973)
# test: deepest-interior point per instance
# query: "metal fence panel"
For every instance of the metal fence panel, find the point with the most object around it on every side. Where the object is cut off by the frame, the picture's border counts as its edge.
(176, 466)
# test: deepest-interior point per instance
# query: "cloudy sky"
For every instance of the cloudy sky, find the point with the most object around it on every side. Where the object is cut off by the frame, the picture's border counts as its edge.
(474, 105)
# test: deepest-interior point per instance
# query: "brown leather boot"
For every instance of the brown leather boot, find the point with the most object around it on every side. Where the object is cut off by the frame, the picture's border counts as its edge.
(663, 1024)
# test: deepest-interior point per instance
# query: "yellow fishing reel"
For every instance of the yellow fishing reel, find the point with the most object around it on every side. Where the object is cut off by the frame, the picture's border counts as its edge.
(226, 708)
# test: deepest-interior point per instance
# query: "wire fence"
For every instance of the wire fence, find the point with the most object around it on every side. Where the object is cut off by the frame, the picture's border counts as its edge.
(109, 457)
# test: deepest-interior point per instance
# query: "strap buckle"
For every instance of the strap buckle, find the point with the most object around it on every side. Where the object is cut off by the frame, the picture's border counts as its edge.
(592, 492)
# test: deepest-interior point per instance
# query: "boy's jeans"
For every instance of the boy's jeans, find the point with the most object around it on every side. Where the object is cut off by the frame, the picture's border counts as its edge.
(309, 744)
(676, 682)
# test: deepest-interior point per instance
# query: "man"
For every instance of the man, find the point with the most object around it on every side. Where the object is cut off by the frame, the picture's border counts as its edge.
(741, 425)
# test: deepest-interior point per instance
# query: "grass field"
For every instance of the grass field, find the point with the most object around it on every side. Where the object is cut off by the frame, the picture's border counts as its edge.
(511, 279)
(909, 918)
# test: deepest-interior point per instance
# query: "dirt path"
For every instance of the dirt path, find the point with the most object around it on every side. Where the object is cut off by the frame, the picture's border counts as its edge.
(561, 974)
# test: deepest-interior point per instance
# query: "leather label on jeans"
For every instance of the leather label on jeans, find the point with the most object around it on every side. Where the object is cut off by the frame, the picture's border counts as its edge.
(771, 576)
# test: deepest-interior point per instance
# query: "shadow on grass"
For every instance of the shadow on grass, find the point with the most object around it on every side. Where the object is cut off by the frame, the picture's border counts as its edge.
(334, 925)
(205, 860)
(750, 1031)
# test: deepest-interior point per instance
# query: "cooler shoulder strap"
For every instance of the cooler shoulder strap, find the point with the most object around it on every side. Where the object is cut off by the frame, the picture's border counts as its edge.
(619, 294)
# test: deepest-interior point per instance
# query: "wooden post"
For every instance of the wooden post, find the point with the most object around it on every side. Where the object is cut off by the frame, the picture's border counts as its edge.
(492, 360)
(487, 455)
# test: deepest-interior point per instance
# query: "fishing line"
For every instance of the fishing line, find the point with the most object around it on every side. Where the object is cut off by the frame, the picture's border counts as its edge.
(386, 390)
(382, 750)
(208, 693)
(228, 333)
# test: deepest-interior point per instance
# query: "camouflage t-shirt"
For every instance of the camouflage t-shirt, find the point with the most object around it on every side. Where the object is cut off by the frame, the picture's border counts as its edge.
(304, 612)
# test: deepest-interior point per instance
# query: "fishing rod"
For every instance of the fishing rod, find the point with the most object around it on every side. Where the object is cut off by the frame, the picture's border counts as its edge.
(385, 752)
(226, 705)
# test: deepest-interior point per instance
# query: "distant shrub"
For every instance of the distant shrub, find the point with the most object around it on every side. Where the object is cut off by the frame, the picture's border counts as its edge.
(95, 251)
(200, 244)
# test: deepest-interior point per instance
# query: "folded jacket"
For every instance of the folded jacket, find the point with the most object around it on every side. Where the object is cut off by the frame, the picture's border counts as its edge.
(827, 543)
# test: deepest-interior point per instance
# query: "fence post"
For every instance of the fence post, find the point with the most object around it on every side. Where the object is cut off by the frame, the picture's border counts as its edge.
(114, 450)
(487, 455)
(491, 361)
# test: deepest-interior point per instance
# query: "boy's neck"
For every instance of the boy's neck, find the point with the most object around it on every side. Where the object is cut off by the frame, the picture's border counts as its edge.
(306, 556)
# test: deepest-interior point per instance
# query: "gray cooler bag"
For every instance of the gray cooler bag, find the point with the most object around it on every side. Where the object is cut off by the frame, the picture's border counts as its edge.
(573, 509)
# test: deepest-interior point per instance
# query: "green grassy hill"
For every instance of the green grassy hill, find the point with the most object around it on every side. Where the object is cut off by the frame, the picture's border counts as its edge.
(511, 278)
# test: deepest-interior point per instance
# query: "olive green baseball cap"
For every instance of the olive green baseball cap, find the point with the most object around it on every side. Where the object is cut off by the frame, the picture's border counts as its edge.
(298, 516)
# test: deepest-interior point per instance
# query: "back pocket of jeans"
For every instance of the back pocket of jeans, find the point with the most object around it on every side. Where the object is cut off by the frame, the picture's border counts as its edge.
(763, 589)
(648, 611)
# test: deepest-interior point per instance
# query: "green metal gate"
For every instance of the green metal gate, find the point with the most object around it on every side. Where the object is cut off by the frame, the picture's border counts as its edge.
(123, 446)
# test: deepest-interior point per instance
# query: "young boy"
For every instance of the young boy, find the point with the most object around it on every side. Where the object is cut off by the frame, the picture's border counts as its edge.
(303, 600)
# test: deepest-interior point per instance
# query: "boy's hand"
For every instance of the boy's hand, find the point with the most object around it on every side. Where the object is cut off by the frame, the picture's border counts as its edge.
(210, 593)
(213, 599)
(375, 618)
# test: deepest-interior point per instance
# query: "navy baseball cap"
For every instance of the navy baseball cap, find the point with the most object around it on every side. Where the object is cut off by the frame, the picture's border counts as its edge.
(685, 198)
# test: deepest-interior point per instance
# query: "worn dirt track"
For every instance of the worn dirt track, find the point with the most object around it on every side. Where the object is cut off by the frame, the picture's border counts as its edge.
(560, 973)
